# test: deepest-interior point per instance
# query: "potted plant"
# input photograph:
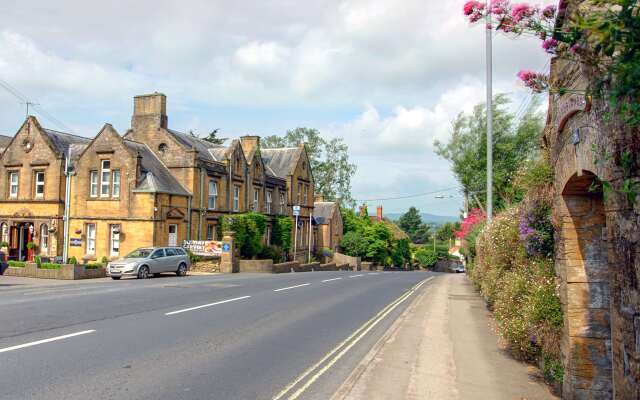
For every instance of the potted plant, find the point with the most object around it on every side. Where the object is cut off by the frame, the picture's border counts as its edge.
(4, 248)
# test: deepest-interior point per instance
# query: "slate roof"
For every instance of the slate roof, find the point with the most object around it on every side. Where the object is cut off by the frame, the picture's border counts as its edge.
(4, 142)
(63, 141)
(156, 176)
(323, 211)
(197, 144)
(281, 162)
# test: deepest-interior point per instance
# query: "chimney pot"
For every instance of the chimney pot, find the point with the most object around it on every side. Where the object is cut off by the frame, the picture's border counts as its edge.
(379, 213)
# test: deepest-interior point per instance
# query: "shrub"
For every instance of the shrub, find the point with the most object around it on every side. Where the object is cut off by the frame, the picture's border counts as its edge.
(354, 244)
(94, 265)
(37, 260)
(31, 246)
(271, 253)
(249, 229)
(50, 266)
(326, 252)
(193, 257)
(16, 264)
(281, 232)
(72, 260)
(4, 245)
(425, 257)
(104, 260)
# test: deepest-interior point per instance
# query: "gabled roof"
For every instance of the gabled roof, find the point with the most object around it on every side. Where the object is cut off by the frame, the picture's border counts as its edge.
(63, 141)
(156, 178)
(323, 211)
(281, 162)
(194, 143)
(4, 142)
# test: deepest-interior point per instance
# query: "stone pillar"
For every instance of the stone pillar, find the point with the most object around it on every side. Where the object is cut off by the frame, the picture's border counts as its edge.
(228, 258)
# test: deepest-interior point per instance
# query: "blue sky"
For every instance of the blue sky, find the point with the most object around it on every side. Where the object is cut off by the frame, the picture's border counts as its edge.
(387, 76)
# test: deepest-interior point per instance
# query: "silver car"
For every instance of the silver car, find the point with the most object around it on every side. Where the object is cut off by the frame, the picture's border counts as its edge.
(148, 261)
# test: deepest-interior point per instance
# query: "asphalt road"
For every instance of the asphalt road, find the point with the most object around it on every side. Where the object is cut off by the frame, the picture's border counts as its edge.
(246, 336)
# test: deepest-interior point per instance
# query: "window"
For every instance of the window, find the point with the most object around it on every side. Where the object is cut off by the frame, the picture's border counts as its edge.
(267, 236)
(13, 184)
(91, 238)
(39, 184)
(4, 233)
(299, 194)
(170, 252)
(158, 253)
(179, 251)
(105, 178)
(211, 231)
(306, 192)
(162, 148)
(256, 199)
(44, 239)
(114, 246)
(115, 191)
(213, 195)
(93, 179)
(236, 198)
(268, 201)
(282, 202)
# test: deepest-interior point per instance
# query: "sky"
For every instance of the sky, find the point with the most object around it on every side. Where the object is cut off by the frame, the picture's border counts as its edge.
(387, 76)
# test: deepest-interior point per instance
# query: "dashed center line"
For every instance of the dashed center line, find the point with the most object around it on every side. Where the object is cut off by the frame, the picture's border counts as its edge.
(53, 339)
(207, 305)
(373, 273)
(291, 287)
(329, 280)
(355, 276)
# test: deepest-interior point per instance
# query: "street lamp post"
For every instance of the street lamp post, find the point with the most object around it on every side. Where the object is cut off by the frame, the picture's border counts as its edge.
(488, 30)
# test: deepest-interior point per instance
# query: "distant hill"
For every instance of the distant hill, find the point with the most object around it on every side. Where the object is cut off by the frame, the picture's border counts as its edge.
(426, 218)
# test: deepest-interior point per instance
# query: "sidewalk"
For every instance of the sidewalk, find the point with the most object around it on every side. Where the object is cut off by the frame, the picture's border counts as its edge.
(442, 347)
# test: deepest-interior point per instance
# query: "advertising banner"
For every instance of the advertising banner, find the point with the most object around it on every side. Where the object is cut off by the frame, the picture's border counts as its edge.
(205, 248)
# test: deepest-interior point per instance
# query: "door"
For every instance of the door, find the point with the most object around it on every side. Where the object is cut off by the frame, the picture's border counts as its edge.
(156, 264)
(173, 235)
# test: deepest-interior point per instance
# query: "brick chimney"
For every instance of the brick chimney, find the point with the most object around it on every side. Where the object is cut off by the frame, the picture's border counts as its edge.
(249, 143)
(149, 111)
(379, 213)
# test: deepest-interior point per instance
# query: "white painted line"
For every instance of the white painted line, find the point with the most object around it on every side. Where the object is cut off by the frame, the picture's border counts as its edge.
(53, 339)
(291, 287)
(373, 273)
(329, 280)
(207, 305)
(386, 272)
(355, 276)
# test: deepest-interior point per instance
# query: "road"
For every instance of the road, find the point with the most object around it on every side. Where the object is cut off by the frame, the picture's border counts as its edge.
(243, 336)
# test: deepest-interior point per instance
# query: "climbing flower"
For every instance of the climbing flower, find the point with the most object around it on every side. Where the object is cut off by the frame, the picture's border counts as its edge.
(522, 11)
(534, 80)
(549, 11)
(549, 45)
(472, 6)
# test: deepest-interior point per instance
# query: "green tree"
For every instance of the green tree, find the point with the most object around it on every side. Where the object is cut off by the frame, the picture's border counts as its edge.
(514, 142)
(410, 221)
(329, 160)
(401, 253)
(446, 231)
(354, 244)
(249, 229)
(213, 138)
(426, 258)
(422, 235)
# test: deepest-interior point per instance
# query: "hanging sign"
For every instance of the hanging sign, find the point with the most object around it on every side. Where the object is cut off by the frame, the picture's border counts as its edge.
(206, 248)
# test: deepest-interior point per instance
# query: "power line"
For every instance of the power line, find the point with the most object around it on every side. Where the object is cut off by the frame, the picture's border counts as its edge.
(410, 196)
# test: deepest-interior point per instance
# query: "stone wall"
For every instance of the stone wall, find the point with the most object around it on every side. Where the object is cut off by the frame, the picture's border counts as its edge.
(256, 266)
(597, 244)
(65, 272)
(340, 258)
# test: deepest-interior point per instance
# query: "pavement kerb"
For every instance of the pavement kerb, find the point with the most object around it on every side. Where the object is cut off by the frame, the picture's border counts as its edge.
(346, 387)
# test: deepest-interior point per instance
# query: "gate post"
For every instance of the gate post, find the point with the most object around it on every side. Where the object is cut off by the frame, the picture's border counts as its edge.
(228, 259)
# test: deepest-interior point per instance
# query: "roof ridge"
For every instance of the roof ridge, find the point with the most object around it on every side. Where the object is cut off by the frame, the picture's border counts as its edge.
(67, 133)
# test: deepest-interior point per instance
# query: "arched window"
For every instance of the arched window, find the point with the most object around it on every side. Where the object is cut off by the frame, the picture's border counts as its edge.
(44, 239)
(4, 232)
(162, 148)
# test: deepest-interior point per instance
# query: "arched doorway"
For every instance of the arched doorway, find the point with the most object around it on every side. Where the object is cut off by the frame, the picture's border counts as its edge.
(582, 263)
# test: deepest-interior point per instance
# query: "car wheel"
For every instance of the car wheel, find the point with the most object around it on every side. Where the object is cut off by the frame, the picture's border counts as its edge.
(115, 278)
(143, 272)
(182, 270)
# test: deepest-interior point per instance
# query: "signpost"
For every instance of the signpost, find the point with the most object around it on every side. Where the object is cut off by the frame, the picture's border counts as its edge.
(296, 212)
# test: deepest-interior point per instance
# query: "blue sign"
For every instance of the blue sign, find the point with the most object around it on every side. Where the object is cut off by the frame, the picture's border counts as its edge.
(75, 242)
(226, 247)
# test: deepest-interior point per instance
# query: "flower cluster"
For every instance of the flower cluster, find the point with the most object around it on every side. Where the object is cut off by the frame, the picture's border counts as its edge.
(474, 10)
(536, 231)
(535, 81)
(474, 218)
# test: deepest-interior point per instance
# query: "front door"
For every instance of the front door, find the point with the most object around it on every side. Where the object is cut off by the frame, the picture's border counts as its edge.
(173, 235)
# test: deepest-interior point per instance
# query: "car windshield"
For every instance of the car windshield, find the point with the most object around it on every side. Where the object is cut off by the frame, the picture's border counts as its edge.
(139, 253)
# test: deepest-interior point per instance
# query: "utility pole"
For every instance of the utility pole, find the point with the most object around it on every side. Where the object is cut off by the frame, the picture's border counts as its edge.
(28, 103)
(489, 52)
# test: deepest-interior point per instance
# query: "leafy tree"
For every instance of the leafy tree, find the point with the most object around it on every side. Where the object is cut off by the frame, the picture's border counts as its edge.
(446, 231)
(281, 234)
(249, 229)
(401, 253)
(329, 160)
(212, 137)
(354, 244)
(514, 142)
(422, 235)
(426, 258)
(410, 221)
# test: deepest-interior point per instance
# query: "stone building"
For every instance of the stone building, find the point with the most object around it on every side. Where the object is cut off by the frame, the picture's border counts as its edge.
(152, 186)
(598, 237)
(329, 220)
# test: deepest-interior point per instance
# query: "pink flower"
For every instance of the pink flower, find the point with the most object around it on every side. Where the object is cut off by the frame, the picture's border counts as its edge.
(549, 45)
(521, 11)
(499, 7)
(534, 80)
(549, 11)
(472, 6)
(575, 48)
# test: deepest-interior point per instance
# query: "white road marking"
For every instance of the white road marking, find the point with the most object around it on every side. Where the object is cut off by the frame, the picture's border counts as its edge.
(355, 276)
(291, 287)
(329, 280)
(373, 273)
(343, 348)
(53, 339)
(207, 305)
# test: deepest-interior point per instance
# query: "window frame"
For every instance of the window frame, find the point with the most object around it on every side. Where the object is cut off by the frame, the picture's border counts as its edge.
(91, 239)
(236, 198)
(212, 195)
(44, 239)
(283, 202)
(37, 184)
(105, 183)
(112, 236)
(299, 194)
(4, 232)
(12, 184)
(256, 200)
(268, 201)
(211, 232)
(116, 173)
(93, 185)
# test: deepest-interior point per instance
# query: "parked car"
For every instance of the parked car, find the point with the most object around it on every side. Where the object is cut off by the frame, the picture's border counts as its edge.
(460, 269)
(147, 261)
